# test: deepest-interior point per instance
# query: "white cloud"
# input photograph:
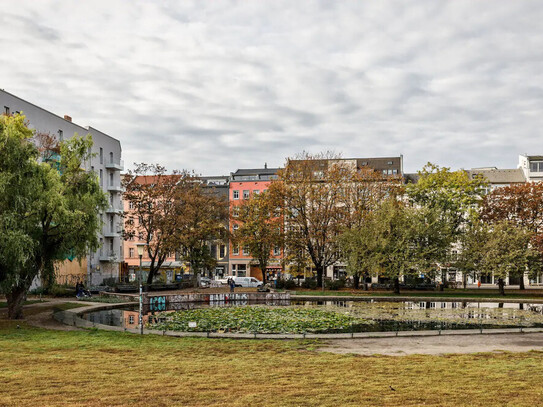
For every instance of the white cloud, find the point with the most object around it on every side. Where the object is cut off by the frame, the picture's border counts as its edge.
(214, 86)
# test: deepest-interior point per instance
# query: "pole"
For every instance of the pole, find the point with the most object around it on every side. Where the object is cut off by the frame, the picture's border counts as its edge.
(141, 301)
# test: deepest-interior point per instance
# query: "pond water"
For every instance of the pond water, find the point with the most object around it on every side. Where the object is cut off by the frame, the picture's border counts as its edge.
(384, 316)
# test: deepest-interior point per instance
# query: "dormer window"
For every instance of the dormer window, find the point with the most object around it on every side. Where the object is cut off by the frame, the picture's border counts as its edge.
(536, 166)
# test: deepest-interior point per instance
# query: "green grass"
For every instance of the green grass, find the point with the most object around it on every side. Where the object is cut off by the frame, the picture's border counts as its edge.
(94, 368)
(4, 304)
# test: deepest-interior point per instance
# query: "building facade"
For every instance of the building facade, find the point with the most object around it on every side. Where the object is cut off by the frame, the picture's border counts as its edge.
(107, 163)
(244, 183)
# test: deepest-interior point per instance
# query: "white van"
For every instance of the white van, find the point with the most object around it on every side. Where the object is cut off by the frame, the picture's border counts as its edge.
(247, 282)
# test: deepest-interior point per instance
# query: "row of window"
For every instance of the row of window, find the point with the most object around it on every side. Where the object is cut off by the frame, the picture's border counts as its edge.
(390, 171)
(246, 252)
(246, 193)
(536, 166)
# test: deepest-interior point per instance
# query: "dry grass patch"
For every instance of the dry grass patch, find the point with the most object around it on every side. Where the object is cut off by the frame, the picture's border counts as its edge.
(93, 368)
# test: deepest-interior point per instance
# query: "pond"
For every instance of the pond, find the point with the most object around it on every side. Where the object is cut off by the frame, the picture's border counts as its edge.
(327, 316)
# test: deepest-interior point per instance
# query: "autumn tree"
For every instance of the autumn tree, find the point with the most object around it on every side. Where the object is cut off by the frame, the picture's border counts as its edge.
(48, 210)
(259, 227)
(310, 189)
(156, 201)
(521, 204)
(203, 220)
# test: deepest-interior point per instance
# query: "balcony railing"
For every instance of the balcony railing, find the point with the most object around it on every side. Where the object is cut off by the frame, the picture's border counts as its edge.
(115, 187)
(115, 165)
(107, 255)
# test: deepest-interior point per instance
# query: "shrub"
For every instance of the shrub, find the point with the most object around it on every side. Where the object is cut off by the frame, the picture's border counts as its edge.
(310, 283)
(335, 284)
(61, 291)
(286, 284)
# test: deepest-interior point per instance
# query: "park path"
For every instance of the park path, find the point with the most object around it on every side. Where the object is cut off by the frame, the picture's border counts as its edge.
(437, 345)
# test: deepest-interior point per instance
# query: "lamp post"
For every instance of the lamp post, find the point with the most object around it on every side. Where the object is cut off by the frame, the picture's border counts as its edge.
(140, 247)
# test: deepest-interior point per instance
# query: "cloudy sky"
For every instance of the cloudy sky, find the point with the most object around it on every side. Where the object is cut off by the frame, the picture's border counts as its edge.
(218, 85)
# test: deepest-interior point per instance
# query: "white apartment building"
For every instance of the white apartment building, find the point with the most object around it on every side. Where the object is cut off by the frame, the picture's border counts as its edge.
(107, 163)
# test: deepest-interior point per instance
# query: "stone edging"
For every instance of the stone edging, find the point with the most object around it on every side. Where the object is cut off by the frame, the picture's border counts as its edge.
(73, 317)
(301, 297)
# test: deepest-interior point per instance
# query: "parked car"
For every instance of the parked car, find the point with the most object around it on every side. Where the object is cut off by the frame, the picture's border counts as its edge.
(247, 282)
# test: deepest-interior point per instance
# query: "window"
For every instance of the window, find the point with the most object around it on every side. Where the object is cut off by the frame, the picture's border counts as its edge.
(101, 155)
(235, 211)
(131, 319)
(246, 250)
(130, 205)
(92, 168)
(101, 178)
(131, 252)
(235, 195)
(394, 171)
(389, 163)
(235, 228)
(242, 269)
(245, 194)
(111, 178)
(235, 250)
(536, 166)
(60, 135)
(6, 110)
(222, 251)
(111, 157)
(256, 192)
(276, 251)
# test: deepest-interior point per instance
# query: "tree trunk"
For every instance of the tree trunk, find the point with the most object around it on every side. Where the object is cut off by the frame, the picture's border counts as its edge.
(319, 276)
(464, 280)
(501, 286)
(396, 285)
(15, 300)
(356, 281)
(522, 282)
(150, 276)
(263, 268)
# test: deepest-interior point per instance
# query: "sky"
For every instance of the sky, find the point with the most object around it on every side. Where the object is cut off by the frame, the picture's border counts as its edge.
(213, 86)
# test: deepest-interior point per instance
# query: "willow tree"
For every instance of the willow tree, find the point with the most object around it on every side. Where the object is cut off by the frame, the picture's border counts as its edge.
(48, 210)
(259, 228)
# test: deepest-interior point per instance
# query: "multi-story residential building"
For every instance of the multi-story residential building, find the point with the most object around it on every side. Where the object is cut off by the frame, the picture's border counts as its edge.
(243, 184)
(498, 178)
(107, 163)
(532, 167)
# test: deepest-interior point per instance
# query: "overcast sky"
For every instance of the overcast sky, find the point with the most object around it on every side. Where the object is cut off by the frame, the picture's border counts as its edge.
(217, 85)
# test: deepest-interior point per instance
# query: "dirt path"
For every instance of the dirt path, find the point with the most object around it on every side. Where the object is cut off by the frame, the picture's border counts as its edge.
(437, 345)
(40, 314)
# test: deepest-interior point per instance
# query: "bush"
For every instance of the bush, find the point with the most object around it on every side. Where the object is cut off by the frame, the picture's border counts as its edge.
(61, 291)
(286, 284)
(335, 284)
(310, 283)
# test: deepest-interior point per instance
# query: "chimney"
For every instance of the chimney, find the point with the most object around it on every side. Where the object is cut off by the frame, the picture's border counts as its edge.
(66, 117)
(265, 166)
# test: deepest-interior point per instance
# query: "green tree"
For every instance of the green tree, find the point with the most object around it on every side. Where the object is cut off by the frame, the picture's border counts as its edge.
(48, 210)
(259, 227)
(505, 252)
(455, 198)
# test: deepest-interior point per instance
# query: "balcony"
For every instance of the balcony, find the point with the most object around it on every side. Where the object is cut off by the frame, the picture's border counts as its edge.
(115, 210)
(107, 255)
(111, 233)
(115, 188)
(117, 166)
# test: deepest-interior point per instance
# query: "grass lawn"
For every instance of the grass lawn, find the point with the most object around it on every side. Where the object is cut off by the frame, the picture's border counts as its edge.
(94, 368)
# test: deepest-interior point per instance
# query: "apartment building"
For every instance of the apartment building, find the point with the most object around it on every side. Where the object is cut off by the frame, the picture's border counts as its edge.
(107, 163)
(532, 167)
(243, 184)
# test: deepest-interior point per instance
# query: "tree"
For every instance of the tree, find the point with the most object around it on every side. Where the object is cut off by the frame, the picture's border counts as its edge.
(505, 252)
(48, 210)
(455, 197)
(470, 257)
(396, 231)
(521, 204)
(203, 218)
(260, 227)
(309, 189)
(156, 200)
